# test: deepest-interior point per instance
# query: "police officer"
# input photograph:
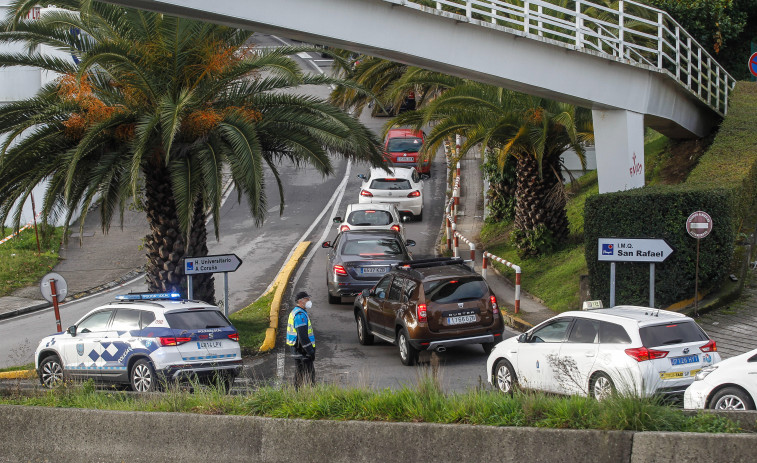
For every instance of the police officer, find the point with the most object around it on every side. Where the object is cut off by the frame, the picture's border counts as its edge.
(301, 340)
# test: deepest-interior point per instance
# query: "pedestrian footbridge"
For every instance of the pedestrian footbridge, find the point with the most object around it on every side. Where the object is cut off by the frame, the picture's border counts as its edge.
(633, 65)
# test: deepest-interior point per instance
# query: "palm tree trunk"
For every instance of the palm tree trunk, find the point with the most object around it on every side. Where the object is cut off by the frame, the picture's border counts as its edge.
(166, 245)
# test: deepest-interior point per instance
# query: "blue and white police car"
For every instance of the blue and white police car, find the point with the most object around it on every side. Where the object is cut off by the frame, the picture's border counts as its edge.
(144, 340)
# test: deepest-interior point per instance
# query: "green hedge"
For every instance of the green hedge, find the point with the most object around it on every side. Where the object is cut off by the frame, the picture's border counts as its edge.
(723, 184)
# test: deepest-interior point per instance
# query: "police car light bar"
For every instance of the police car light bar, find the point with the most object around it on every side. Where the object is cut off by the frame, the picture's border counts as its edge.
(147, 296)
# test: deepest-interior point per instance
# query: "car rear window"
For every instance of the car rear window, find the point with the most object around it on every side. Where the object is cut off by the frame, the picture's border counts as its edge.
(406, 145)
(671, 333)
(369, 218)
(372, 247)
(390, 184)
(458, 289)
(196, 320)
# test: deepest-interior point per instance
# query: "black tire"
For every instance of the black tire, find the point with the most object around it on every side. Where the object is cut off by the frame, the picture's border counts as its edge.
(334, 299)
(731, 398)
(601, 386)
(51, 372)
(408, 353)
(142, 377)
(364, 336)
(487, 346)
(503, 377)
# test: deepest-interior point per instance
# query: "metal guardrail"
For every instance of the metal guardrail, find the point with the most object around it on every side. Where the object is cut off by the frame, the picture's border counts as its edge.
(628, 32)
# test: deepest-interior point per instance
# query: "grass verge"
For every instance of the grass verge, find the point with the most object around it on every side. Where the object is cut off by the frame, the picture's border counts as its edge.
(28, 366)
(20, 265)
(425, 402)
(251, 322)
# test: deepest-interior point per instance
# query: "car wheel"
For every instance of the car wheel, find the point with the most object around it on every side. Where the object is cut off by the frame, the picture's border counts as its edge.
(488, 346)
(143, 377)
(731, 398)
(408, 353)
(601, 386)
(364, 337)
(335, 299)
(51, 372)
(504, 376)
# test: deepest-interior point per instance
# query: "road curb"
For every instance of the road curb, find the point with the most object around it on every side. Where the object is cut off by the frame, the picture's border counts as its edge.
(279, 286)
(18, 374)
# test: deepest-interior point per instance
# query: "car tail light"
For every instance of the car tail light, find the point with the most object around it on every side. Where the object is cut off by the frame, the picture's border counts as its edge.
(641, 354)
(366, 193)
(172, 341)
(420, 311)
(395, 228)
(339, 270)
(234, 337)
(493, 299)
(709, 347)
(414, 194)
(344, 228)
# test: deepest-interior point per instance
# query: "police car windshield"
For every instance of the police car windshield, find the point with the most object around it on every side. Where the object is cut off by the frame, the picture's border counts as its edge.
(196, 320)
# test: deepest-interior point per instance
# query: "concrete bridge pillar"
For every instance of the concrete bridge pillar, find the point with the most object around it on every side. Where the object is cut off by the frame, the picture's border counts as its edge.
(619, 141)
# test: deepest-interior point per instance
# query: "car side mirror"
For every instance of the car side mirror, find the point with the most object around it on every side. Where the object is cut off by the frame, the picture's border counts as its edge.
(366, 292)
(523, 338)
(425, 176)
(361, 176)
(326, 244)
(410, 243)
(338, 220)
(71, 330)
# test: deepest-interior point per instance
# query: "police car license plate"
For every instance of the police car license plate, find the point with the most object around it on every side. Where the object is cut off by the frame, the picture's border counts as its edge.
(461, 320)
(208, 344)
(405, 159)
(373, 269)
(685, 360)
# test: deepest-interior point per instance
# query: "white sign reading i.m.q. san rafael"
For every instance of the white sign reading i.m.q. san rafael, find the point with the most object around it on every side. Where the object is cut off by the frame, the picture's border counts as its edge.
(633, 250)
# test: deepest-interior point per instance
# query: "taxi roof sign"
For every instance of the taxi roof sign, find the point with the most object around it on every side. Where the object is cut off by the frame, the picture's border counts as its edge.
(147, 296)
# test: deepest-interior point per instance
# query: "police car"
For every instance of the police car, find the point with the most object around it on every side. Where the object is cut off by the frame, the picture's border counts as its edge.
(143, 340)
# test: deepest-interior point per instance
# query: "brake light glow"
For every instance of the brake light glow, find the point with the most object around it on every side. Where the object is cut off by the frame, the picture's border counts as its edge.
(493, 300)
(395, 228)
(641, 354)
(709, 347)
(390, 179)
(370, 212)
(344, 228)
(172, 341)
(339, 270)
(420, 311)
(414, 194)
(366, 193)
(234, 337)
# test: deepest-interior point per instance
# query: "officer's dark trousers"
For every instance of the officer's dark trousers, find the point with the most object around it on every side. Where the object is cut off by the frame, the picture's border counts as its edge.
(304, 373)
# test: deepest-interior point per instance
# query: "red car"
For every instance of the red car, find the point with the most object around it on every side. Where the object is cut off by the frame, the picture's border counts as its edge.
(402, 148)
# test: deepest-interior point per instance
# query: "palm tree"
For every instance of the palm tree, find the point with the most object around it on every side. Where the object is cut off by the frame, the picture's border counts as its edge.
(533, 130)
(154, 109)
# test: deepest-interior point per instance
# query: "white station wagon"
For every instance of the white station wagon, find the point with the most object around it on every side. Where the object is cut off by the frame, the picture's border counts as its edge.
(143, 340)
(633, 350)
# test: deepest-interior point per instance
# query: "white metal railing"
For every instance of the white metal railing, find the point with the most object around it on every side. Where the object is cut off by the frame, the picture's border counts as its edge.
(622, 30)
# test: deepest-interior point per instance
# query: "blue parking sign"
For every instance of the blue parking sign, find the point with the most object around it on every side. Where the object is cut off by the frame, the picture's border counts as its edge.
(190, 265)
(607, 249)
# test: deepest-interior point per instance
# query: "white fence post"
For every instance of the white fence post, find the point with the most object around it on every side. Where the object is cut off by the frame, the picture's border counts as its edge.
(489, 256)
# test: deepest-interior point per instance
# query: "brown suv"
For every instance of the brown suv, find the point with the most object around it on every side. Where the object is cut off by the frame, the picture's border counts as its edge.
(429, 304)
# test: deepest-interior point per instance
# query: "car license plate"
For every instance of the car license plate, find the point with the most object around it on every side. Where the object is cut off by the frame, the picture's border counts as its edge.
(208, 344)
(461, 320)
(405, 159)
(686, 359)
(678, 374)
(373, 269)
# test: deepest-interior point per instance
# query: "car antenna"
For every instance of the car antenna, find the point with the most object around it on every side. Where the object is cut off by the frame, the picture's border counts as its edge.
(657, 314)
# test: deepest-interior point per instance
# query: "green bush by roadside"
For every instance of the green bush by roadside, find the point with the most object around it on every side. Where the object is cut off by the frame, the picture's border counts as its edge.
(20, 265)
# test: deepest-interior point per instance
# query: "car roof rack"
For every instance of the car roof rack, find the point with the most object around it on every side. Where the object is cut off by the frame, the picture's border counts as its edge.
(433, 262)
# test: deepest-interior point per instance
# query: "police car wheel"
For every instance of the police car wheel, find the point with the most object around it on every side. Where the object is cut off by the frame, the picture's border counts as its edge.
(143, 377)
(50, 372)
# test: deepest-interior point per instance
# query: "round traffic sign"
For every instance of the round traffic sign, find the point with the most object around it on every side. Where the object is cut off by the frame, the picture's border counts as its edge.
(753, 64)
(61, 288)
(699, 224)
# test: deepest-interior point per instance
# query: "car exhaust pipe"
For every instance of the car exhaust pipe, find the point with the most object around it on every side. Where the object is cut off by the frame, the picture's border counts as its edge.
(441, 349)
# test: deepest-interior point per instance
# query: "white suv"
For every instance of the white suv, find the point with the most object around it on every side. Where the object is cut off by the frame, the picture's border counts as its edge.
(634, 350)
(402, 187)
(141, 340)
(371, 217)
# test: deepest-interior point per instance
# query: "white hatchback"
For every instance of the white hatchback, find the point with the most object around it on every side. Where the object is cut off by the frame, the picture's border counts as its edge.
(633, 350)
(401, 187)
(371, 217)
(729, 385)
(142, 340)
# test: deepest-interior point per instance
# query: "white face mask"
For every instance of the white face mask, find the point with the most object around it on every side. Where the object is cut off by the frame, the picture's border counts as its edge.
(308, 305)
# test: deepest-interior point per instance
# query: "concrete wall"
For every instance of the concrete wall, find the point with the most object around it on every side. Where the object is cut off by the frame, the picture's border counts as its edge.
(73, 435)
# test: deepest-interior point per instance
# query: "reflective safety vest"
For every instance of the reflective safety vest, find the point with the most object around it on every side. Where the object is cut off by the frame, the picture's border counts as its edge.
(295, 321)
